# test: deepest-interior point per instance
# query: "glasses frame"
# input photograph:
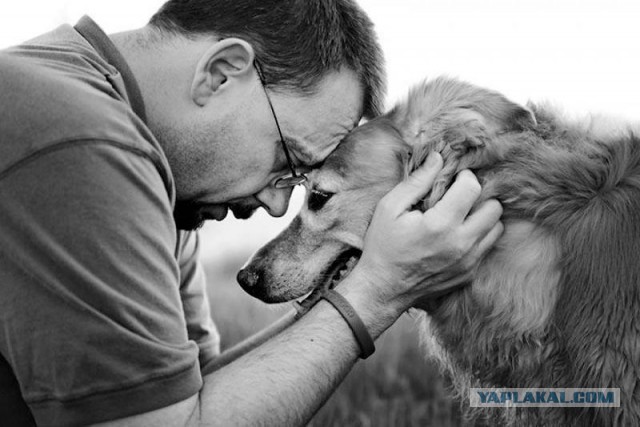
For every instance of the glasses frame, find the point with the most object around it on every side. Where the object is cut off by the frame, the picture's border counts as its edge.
(286, 181)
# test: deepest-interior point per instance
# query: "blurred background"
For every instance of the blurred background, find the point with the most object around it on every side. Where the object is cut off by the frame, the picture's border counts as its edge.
(582, 55)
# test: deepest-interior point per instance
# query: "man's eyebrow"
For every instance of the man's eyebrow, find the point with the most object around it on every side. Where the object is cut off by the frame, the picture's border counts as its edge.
(300, 152)
(313, 161)
(315, 165)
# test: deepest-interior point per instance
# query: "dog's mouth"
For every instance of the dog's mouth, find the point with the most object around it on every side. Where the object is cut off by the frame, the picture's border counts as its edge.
(340, 268)
(334, 274)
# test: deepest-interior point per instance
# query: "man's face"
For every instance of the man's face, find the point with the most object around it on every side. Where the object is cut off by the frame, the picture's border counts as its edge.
(229, 160)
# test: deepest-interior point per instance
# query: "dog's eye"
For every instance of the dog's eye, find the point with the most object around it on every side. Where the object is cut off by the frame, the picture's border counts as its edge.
(317, 199)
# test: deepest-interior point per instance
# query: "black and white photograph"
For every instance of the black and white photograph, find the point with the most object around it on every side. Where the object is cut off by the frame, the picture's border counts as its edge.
(362, 213)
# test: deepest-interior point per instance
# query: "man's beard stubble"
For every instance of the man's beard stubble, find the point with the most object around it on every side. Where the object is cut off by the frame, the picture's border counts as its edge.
(188, 215)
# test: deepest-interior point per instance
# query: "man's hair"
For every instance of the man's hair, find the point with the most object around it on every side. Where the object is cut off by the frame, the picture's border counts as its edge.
(296, 41)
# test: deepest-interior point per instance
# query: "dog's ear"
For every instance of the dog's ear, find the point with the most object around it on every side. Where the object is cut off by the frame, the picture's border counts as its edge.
(468, 125)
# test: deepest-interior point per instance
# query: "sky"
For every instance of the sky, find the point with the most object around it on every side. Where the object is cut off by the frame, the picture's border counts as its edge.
(582, 55)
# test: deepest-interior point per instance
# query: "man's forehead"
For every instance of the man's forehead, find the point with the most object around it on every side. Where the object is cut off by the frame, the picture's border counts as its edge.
(328, 116)
(313, 151)
(317, 146)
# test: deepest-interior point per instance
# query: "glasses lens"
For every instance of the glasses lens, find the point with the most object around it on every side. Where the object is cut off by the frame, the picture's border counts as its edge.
(290, 181)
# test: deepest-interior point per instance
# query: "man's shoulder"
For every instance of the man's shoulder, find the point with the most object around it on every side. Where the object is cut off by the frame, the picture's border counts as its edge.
(56, 93)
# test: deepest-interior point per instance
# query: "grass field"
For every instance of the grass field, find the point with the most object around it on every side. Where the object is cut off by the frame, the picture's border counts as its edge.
(394, 387)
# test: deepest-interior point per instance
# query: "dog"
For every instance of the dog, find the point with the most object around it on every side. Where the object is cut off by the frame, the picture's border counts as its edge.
(556, 302)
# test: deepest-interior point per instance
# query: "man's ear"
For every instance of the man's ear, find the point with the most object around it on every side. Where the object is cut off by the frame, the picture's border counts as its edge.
(226, 62)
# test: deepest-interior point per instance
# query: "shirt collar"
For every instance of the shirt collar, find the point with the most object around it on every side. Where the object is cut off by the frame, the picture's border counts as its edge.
(105, 48)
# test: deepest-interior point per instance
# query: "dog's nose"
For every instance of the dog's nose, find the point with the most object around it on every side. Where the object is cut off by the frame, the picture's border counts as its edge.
(248, 278)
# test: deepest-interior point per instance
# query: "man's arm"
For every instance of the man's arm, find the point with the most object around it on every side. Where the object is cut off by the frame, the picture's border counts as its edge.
(408, 256)
(283, 382)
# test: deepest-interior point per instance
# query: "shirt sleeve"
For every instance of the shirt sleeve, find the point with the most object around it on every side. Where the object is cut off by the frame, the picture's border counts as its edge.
(195, 301)
(92, 322)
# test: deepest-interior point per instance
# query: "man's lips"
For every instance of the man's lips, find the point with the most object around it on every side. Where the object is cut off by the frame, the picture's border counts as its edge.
(217, 212)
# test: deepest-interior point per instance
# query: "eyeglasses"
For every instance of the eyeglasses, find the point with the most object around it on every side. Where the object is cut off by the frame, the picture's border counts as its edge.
(287, 180)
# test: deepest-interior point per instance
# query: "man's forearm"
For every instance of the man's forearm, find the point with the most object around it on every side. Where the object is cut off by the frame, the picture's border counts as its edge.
(286, 380)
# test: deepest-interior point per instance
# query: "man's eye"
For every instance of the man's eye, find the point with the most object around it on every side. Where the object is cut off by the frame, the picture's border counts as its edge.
(317, 199)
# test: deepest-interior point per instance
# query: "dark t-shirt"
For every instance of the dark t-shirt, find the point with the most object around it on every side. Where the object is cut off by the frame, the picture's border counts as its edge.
(103, 310)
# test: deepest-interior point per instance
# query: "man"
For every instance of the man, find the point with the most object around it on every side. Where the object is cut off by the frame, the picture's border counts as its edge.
(110, 145)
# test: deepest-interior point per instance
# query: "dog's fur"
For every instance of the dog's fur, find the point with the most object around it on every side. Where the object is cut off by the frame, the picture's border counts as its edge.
(557, 302)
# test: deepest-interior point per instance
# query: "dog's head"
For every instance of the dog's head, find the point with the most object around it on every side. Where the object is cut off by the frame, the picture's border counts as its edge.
(327, 235)
(459, 120)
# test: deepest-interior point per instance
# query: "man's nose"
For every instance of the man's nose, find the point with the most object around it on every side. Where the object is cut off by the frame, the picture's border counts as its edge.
(275, 200)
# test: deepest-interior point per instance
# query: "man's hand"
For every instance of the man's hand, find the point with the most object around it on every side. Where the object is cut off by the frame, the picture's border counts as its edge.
(410, 255)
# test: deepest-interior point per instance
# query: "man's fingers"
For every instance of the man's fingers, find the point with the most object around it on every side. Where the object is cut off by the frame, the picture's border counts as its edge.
(460, 198)
(489, 240)
(483, 219)
(475, 256)
(460, 280)
(455, 283)
(411, 190)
